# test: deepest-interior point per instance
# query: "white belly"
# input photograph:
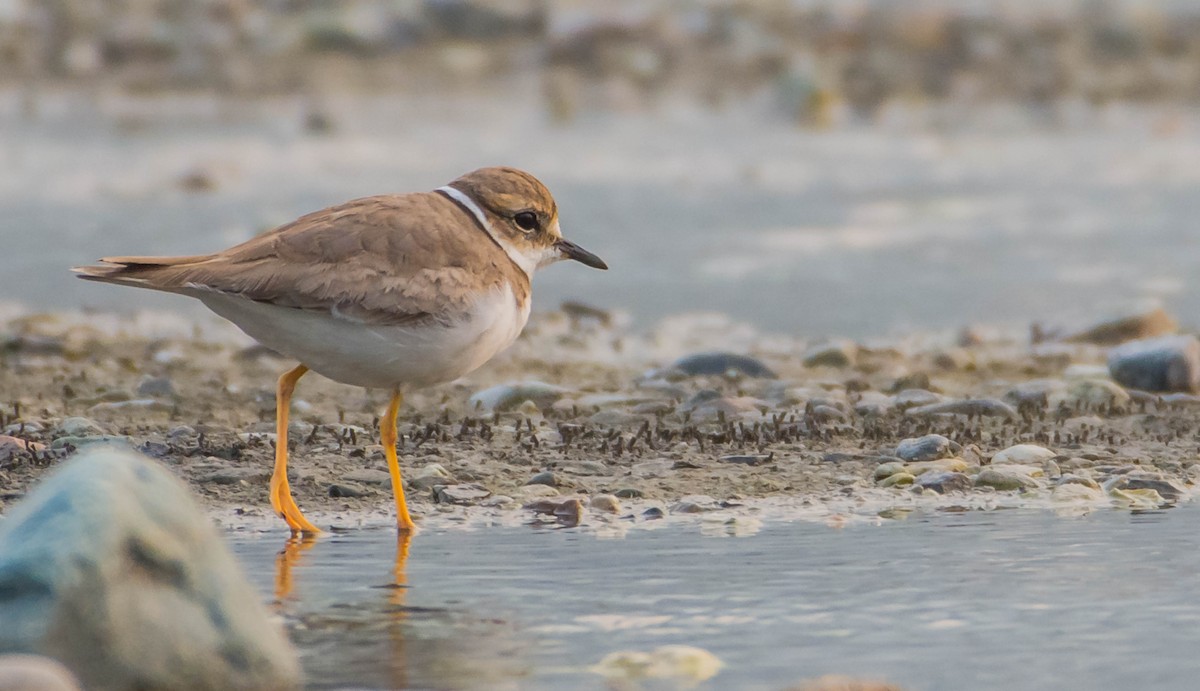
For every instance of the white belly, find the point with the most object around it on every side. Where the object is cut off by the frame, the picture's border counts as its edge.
(376, 356)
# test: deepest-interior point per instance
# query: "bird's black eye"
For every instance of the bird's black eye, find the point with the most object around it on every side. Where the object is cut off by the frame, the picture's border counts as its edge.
(526, 220)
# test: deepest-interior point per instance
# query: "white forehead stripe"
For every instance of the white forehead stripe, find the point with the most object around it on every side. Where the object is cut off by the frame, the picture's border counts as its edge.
(469, 204)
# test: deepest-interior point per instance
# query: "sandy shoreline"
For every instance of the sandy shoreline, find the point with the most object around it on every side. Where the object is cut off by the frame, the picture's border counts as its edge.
(608, 416)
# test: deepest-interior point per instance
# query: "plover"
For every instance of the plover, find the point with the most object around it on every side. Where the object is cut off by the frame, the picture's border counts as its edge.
(391, 291)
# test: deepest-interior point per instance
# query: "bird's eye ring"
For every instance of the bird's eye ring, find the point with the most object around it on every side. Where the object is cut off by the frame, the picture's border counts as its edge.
(526, 221)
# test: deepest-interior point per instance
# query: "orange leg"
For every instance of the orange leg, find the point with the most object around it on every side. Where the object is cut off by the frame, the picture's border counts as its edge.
(281, 492)
(289, 557)
(387, 435)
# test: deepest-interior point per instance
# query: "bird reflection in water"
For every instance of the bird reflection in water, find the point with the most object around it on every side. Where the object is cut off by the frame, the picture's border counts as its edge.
(396, 608)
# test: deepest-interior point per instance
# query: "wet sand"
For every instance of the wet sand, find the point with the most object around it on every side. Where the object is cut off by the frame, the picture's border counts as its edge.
(610, 417)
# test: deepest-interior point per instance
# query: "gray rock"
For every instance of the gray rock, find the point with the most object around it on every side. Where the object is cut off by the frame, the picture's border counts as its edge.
(1171, 363)
(839, 353)
(465, 494)
(1004, 479)
(944, 482)
(78, 427)
(1168, 489)
(1036, 393)
(429, 476)
(910, 398)
(111, 568)
(927, 448)
(35, 673)
(976, 407)
(156, 387)
(508, 396)
(605, 503)
(544, 478)
(348, 490)
(370, 476)
(722, 363)
(629, 493)
(235, 476)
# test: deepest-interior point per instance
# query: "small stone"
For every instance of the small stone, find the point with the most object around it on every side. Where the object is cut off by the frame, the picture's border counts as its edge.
(683, 666)
(35, 673)
(430, 475)
(587, 468)
(942, 483)
(464, 494)
(826, 413)
(1171, 363)
(1070, 479)
(570, 512)
(234, 476)
(717, 364)
(1169, 490)
(629, 493)
(743, 459)
(911, 398)
(898, 480)
(509, 396)
(697, 503)
(653, 512)
(368, 476)
(1148, 324)
(973, 407)
(1028, 454)
(927, 448)
(112, 568)
(886, 470)
(155, 387)
(839, 353)
(1098, 392)
(545, 478)
(348, 490)
(78, 427)
(605, 503)
(13, 447)
(1004, 479)
(532, 492)
(80, 442)
(942, 465)
(952, 359)
(1036, 393)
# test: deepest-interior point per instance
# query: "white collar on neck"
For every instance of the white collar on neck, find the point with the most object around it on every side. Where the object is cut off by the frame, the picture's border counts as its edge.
(526, 263)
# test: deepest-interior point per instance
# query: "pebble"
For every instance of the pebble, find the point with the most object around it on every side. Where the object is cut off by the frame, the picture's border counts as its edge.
(80, 442)
(1171, 363)
(508, 396)
(428, 476)
(942, 482)
(1169, 490)
(469, 493)
(629, 493)
(234, 476)
(942, 465)
(898, 480)
(910, 398)
(35, 673)
(13, 447)
(78, 427)
(888, 469)
(368, 476)
(570, 512)
(1004, 478)
(927, 448)
(743, 459)
(974, 407)
(544, 478)
(606, 503)
(112, 568)
(719, 363)
(872, 403)
(683, 666)
(1036, 392)
(529, 492)
(1071, 479)
(155, 387)
(136, 405)
(1097, 392)
(653, 513)
(587, 468)
(27, 427)
(839, 353)
(1148, 324)
(1030, 454)
(348, 490)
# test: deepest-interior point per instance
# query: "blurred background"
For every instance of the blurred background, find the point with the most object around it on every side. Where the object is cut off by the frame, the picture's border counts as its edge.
(813, 167)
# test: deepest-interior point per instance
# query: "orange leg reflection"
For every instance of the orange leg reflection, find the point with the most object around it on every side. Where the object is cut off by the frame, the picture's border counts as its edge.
(398, 613)
(288, 557)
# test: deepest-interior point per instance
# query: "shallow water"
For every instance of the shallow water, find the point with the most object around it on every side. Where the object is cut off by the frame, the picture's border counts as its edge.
(1016, 599)
(859, 231)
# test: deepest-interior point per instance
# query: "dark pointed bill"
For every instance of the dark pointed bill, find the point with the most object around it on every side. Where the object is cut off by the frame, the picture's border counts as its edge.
(570, 250)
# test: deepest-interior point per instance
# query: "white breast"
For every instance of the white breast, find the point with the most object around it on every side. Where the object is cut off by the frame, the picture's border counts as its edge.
(380, 356)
